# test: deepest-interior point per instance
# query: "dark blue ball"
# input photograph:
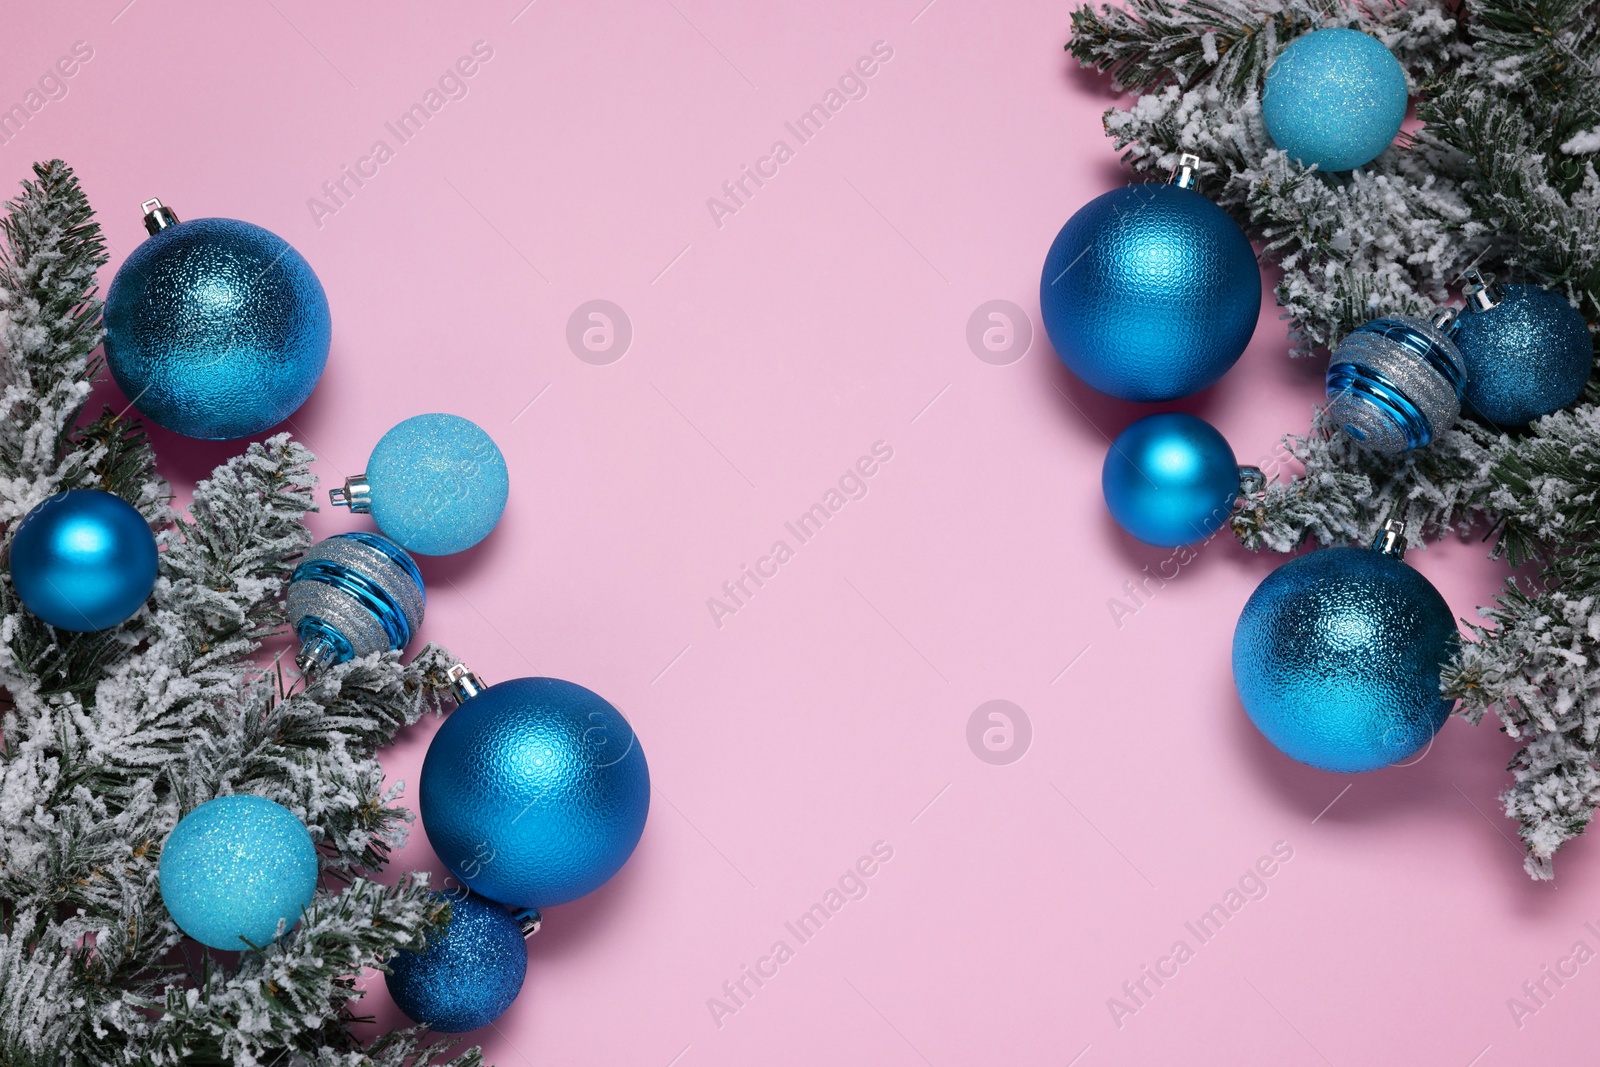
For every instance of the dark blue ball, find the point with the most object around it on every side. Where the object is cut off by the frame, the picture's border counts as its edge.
(1336, 658)
(1170, 479)
(83, 560)
(468, 974)
(1150, 292)
(1527, 356)
(216, 328)
(534, 792)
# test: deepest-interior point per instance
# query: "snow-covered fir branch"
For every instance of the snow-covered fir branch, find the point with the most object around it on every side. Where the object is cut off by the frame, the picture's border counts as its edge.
(1501, 176)
(106, 739)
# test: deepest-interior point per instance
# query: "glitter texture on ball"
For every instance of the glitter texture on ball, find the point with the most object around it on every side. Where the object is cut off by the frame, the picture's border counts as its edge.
(1334, 99)
(438, 484)
(233, 867)
(468, 974)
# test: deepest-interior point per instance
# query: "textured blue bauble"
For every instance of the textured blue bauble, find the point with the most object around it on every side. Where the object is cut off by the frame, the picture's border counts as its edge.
(438, 484)
(216, 328)
(351, 595)
(534, 792)
(468, 974)
(1334, 99)
(83, 560)
(1150, 292)
(1170, 479)
(1396, 383)
(1527, 356)
(1336, 658)
(233, 867)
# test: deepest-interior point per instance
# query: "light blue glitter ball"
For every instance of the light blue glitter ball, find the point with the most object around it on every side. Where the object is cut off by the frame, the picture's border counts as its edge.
(216, 329)
(233, 867)
(1336, 658)
(1170, 479)
(439, 484)
(1527, 356)
(1334, 99)
(468, 974)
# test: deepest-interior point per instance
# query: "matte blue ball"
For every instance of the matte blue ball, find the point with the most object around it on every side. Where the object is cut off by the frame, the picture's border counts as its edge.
(233, 867)
(1170, 480)
(83, 560)
(534, 792)
(468, 975)
(1150, 292)
(216, 329)
(1528, 356)
(439, 484)
(1336, 658)
(1334, 99)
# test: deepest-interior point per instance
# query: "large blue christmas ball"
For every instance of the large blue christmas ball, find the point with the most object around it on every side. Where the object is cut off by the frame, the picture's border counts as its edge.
(438, 484)
(83, 560)
(233, 867)
(468, 974)
(1336, 658)
(1334, 99)
(1528, 355)
(216, 328)
(1150, 292)
(534, 792)
(1170, 479)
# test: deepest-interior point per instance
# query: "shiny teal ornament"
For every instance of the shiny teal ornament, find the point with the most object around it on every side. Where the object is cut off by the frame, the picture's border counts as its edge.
(83, 560)
(436, 483)
(534, 792)
(233, 868)
(1170, 479)
(469, 973)
(1334, 99)
(1337, 653)
(1527, 351)
(1150, 292)
(215, 328)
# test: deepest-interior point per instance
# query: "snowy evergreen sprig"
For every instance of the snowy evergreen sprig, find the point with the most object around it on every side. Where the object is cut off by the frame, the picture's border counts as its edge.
(107, 739)
(1502, 176)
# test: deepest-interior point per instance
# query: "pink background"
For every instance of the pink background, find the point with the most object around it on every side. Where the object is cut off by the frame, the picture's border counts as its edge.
(830, 712)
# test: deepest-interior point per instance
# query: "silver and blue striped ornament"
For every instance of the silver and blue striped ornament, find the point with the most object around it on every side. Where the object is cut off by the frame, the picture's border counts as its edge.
(1396, 383)
(351, 595)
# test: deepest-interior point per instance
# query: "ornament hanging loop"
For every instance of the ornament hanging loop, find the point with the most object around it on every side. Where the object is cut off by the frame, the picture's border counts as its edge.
(528, 921)
(1251, 481)
(157, 217)
(1481, 293)
(356, 494)
(1391, 540)
(1187, 173)
(462, 683)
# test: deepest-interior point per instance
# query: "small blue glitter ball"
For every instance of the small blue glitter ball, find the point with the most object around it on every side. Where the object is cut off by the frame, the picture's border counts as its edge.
(83, 560)
(1336, 658)
(1527, 356)
(439, 484)
(1170, 479)
(534, 792)
(233, 867)
(1150, 292)
(216, 328)
(468, 974)
(1334, 99)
